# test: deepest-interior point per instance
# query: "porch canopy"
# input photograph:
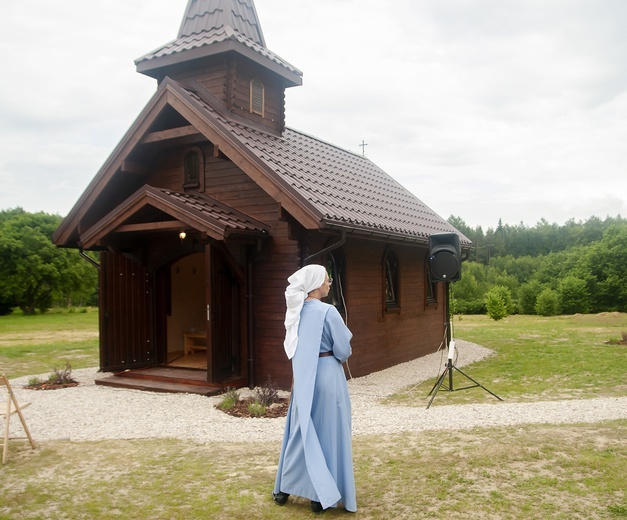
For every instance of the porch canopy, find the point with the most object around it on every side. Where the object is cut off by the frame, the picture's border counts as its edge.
(158, 210)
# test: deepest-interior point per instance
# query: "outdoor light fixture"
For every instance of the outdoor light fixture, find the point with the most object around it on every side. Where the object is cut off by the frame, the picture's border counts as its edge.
(182, 235)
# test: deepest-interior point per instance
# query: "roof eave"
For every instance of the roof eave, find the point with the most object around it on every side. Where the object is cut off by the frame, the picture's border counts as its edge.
(148, 195)
(248, 161)
(380, 234)
(68, 227)
(384, 234)
(152, 66)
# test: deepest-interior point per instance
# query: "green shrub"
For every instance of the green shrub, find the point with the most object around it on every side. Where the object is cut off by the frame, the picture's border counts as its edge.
(267, 395)
(574, 296)
(256, 409)
(58, 376)
(547, 303)
(62, 376)
(499, 302)
(229, 399)
(475, 306)
(527, 297)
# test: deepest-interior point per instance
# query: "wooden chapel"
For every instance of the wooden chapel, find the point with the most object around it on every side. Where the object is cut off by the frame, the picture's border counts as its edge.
(209, 202)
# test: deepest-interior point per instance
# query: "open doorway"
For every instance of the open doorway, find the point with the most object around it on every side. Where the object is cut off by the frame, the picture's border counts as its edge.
(186, 323)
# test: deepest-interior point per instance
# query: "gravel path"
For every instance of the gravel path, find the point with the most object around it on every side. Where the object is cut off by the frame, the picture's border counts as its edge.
(90, 412)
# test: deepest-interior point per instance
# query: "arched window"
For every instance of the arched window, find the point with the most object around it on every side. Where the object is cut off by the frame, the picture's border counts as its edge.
(257, 97)
(391, 272)
(336, 267)
(193, 168)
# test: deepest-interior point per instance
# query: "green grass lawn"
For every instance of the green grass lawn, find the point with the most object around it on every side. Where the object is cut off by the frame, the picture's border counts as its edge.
(537, 358)
(531, 471)
(38, 344)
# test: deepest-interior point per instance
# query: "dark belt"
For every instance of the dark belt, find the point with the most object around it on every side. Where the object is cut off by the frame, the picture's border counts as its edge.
(325, 354)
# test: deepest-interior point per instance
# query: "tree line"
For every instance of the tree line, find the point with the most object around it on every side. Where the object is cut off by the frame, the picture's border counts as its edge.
(35, 275)
(580, 267)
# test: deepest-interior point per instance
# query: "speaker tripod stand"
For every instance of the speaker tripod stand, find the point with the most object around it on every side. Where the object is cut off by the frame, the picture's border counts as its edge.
(450, 365)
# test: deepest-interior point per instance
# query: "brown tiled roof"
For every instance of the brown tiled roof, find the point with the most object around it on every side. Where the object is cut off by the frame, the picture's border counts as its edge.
(207, 23)
(208, 15)
(204, 208)
(194, 209)
(347, 189)
(223, 34)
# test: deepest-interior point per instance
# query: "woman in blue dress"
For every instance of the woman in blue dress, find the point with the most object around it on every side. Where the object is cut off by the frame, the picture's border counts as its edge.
(316, 459)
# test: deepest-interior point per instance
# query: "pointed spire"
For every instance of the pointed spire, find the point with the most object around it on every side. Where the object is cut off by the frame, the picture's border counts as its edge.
(212, 27)
(207, 16)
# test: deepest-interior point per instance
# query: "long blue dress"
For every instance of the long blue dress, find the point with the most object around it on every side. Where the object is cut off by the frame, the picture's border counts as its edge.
(316, 459)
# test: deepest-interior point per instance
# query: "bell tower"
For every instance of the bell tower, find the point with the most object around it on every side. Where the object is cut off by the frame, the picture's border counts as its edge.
(220, 49)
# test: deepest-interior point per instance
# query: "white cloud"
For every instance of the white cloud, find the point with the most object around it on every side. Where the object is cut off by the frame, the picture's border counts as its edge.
(484, 109)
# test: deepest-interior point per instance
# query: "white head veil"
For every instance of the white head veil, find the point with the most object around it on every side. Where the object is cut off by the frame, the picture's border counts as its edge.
(302, 282)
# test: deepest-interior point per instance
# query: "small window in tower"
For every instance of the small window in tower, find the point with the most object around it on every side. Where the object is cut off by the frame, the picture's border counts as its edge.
(257, 97)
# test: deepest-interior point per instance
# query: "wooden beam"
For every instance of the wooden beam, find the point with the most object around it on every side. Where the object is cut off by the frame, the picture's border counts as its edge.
(173, 133)
(248, 163)
(132, 167)
(151, 226)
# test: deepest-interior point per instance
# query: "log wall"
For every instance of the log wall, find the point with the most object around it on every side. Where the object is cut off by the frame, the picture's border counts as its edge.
(381, 338)
(228, 79)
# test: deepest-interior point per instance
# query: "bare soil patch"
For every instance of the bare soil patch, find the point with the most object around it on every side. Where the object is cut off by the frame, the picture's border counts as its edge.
(50, 386)
(9, 339)
(240, 409)
(622, 341)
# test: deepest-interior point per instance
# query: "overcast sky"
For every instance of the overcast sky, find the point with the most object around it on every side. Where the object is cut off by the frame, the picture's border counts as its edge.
(484, 109)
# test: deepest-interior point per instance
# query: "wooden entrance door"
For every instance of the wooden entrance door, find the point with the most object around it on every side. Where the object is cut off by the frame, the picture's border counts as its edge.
(224, 319)
(125, 314)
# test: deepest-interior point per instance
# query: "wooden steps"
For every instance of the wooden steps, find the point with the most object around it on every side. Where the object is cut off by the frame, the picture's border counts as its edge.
(163, 379)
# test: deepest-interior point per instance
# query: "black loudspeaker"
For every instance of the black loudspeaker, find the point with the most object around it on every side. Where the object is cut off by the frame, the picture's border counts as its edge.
(445, 258)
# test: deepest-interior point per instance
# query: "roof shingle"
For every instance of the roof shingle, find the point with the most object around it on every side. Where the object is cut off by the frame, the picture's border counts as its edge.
(348, 189)
(208, 15)
(208, 23)
(219, 214)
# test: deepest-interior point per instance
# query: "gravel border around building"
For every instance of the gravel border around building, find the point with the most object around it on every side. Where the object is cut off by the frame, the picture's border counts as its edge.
(91, 412)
